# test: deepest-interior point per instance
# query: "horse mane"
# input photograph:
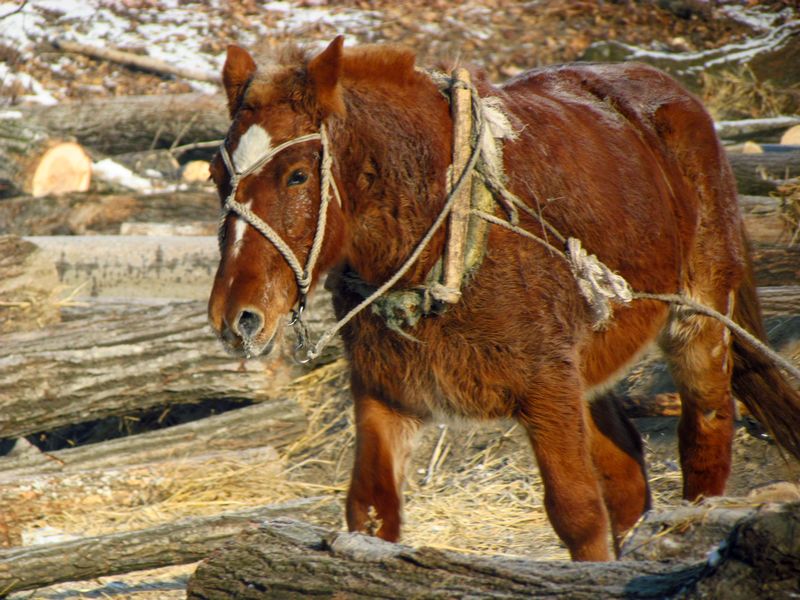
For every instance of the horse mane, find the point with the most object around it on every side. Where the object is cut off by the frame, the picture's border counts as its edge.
(282, 69)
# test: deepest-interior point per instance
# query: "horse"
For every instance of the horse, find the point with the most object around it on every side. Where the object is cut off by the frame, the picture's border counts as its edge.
(340, 161)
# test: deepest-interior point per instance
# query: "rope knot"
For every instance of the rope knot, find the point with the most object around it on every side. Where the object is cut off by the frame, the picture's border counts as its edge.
(598, 284)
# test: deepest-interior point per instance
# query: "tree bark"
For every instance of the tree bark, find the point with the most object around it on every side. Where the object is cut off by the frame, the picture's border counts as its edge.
(78, 214)
(135, 123)
(27, 280)
(760, 174)
(288, 559)
(776, 265)
(34, 162)
(765, 220)
(176, 267)
(112, 359)
(744, 129)
(276, 423)
(182, 542)
(116, 361)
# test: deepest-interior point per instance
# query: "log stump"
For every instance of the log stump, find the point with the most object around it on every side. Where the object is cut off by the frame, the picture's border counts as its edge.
(31, 162)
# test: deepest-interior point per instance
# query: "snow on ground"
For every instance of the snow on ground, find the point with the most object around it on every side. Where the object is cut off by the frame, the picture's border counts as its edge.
(505, 36)
(177, 32)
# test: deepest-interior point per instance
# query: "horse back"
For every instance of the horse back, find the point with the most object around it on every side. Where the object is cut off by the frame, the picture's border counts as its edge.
(625, 159)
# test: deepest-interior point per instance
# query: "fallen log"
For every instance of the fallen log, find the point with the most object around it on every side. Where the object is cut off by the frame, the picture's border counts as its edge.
(128, 59)
(134, 266)
(135, 123)
(182, 542)
(112, 359)
(776, 265)
(284, 558)
(749, 128)
(275, 423)
(37, 162)
(693, 531)
(28, 280)
(766, 220)
(760, 174)
(79, 214)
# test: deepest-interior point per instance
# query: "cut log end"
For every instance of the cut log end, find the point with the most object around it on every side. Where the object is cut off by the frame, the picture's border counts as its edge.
(62, 168)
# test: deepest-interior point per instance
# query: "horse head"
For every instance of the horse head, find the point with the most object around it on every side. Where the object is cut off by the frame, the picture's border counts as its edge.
(282, 224)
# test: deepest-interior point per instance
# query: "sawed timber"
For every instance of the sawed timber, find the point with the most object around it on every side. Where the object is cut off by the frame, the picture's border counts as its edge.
(288, 559)
(181, 542)
(79, 214)
(134, 123)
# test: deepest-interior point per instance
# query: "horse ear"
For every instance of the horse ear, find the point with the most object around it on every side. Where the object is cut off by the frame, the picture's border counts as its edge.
(324, 71)
(239, 68)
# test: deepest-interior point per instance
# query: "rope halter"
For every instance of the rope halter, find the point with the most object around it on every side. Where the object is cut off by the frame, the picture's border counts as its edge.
(302, 274)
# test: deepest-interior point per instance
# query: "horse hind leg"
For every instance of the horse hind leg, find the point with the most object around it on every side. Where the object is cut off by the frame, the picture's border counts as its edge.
(699, 356)
(618, 456)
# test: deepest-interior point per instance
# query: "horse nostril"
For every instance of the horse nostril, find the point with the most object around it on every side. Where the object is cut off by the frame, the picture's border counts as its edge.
(249, 323)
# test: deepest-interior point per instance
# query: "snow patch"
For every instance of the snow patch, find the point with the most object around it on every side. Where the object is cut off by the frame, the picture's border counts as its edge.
(113, 172)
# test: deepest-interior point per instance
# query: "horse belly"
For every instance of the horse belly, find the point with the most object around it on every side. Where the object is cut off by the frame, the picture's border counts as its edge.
(608, 355)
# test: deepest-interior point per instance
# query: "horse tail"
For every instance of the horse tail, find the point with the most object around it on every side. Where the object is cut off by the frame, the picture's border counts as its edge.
(756, 381)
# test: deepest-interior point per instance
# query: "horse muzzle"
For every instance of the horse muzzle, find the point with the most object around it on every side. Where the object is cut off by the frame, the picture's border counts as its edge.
(246, 336)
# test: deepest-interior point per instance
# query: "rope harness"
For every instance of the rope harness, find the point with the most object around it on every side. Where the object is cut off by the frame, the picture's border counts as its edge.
(302, 274)
(597, 283)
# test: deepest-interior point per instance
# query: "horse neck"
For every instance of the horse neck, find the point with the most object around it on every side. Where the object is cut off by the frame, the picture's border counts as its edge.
(403, 136)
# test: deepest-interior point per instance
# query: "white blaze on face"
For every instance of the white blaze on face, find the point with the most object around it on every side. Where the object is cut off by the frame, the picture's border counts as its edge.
(253, 146)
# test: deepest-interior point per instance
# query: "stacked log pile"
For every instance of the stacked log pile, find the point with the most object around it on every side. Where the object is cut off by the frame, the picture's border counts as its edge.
(102, 314)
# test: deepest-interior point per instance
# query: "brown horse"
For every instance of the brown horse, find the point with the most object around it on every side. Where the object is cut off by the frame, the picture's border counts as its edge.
(620, 157)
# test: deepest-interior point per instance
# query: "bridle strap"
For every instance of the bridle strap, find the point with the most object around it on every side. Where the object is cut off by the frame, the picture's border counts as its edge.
(302, 274)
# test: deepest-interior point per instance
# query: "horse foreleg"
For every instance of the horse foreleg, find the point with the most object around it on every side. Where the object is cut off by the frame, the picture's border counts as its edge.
(573, 499)
(618, 456)
(699, 359)
(383, 443)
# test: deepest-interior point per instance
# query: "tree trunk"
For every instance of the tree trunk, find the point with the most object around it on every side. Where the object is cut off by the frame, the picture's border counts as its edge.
(776, 265)
(745, 129)
(28, 279)
(288, 559)
(177, 267)
(110, 359)
(118, 360)
(78, 214)
(135, 123)
(184, 541)
(33, 162)
(760, 174)
(765, 220)
(275, 423)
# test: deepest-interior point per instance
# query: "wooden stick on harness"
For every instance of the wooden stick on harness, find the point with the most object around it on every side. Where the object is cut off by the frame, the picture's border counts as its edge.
(461, 109)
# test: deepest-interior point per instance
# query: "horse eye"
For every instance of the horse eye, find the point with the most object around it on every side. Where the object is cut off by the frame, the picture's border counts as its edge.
(297, 178)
